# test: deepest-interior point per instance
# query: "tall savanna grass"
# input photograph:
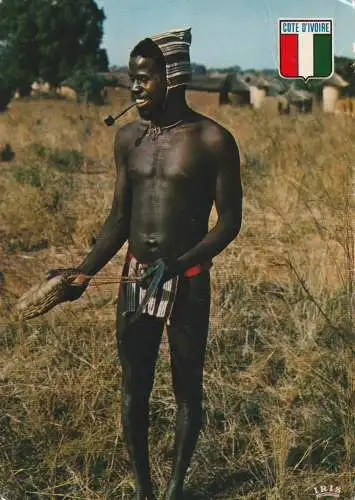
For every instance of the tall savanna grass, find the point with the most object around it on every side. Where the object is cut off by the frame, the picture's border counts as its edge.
(278, 373)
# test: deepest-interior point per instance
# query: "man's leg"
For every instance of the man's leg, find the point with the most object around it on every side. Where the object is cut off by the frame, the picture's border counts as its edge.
(187, 338)
(138, 346)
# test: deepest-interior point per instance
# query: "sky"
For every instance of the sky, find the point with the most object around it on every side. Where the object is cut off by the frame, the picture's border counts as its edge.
(224, 32)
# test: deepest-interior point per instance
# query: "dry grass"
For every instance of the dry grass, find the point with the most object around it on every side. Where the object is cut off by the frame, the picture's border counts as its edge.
(278, 374)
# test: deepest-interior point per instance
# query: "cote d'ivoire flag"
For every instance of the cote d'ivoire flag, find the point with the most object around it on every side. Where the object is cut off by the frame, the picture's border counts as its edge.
(306, 48)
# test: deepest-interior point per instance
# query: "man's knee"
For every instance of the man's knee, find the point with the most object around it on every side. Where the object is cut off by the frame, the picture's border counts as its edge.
(135, 404)
(192, 411)
(137, 383)
(190, 396)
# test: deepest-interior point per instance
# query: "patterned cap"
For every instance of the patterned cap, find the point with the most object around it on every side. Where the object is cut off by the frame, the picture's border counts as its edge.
(175, 46)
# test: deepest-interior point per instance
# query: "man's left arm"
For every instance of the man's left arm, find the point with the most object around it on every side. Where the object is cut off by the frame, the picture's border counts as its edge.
(224, 153)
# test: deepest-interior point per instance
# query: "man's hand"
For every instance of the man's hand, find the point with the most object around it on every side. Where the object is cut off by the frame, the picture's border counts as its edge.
(170, 270)
(77, 287)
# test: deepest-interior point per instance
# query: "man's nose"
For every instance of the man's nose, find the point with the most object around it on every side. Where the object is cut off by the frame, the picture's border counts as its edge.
(136, 87)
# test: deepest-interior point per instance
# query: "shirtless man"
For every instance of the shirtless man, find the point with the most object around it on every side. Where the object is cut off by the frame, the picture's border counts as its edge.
(172, 164)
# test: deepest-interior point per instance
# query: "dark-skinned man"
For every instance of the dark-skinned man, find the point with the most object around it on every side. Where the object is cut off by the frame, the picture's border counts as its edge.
(172, 165)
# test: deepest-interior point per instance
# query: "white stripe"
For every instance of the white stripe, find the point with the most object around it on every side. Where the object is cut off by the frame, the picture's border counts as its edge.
(182, 68)
(163, 303)
(179, 33)
(305, 54)
(184, 47)
(169, 311)
(166, 47)
(151, 305)
(177, 73)
(131, 290)
(142, 293)
(184, 54)
(179, 65)
(169, 39)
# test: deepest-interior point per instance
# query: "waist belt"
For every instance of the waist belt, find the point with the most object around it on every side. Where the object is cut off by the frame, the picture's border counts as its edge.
(190, 272)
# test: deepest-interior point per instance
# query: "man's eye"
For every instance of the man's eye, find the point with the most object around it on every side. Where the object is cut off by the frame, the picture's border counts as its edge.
(140, 79)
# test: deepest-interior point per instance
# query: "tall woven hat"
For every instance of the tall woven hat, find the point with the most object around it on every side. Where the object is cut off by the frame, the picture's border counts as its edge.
(175, 46)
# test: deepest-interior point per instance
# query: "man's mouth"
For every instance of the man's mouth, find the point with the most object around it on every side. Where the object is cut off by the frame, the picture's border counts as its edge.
(141, 102)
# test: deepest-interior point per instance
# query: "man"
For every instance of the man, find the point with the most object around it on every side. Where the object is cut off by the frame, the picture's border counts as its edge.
(172, 164)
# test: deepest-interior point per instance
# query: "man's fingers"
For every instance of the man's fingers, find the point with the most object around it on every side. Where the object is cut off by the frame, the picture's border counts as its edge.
(81, 279)
(52, 273)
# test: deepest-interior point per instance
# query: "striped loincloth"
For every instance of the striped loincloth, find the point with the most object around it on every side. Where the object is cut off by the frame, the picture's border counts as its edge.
(159, 305)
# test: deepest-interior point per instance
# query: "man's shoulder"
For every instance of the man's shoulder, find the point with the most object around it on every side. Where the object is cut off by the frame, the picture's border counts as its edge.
(128, 133)
(212, 133)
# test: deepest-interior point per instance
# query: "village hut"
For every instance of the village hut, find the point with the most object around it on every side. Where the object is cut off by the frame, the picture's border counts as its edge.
(117, 82)
(206, 89)
(346, 103)
(332, 90)
(121, 79)
(300, 100)
(239, 90)
(68, 92)
(39, 88)
(219, 89)
(218, 74)
(258, 86)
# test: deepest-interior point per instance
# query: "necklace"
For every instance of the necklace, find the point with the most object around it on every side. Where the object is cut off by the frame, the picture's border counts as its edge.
(155, 130)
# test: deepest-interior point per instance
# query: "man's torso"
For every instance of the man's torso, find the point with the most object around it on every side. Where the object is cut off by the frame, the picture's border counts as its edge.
(173, 181)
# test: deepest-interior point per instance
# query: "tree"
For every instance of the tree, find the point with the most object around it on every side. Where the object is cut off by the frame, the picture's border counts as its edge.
(51, 39)
(198, 69)
(345, 67)
(89, 86)
(19, 51)
(70, 33)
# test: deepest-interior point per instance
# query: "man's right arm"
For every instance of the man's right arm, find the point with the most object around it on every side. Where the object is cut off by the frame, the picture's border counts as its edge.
(115, 231)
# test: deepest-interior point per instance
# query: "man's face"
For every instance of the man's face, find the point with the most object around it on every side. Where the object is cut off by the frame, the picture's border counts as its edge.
(148, 86)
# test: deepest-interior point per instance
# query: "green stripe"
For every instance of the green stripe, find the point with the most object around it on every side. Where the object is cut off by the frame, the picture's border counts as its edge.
(322, 55)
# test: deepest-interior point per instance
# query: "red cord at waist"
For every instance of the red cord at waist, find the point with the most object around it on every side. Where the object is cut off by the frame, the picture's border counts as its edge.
(189, 273)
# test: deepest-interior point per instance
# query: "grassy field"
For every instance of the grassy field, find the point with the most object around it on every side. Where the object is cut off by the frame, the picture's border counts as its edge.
(278, 376)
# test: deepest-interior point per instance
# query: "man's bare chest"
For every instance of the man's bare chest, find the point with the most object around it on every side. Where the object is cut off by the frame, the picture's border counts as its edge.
(168, 156)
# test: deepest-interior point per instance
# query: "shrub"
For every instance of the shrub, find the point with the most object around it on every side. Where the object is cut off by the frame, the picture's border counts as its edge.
(6, 94)
(66, 160)
(89, 86)
(35, 209)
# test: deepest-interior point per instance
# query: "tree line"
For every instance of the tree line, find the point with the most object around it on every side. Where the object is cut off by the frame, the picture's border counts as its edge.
(58, 40)
(49, 40)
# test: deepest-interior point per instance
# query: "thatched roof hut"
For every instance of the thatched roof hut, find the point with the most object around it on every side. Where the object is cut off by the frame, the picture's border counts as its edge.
(239, 91)
(68, 92)
(206, 83)
(300, 100)
(117, 79)
(332, 90)
(230, 88)
(204, 89)
(262, 86)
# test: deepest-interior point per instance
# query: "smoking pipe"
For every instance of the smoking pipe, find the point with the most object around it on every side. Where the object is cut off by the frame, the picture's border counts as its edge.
(110, 120)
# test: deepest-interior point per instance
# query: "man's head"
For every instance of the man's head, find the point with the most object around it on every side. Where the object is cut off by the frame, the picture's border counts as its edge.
(148, 77)
(158, 65)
